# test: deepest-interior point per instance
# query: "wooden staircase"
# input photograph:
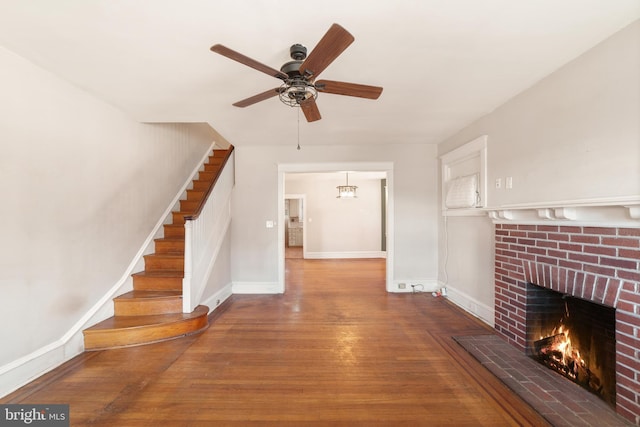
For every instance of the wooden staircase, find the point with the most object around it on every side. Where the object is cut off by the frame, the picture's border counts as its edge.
(152, 312)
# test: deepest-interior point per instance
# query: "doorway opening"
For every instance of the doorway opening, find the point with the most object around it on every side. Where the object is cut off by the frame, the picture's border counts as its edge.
(294, 219)
(316, 224)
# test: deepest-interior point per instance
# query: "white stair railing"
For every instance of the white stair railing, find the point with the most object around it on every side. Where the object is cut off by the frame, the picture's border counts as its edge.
(204, 235)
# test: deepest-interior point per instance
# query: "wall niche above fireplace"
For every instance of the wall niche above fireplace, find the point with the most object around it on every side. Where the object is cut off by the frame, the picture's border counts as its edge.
(575, 338)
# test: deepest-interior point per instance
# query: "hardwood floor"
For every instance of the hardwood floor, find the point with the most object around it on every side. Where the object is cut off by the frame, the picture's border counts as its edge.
(334, 350)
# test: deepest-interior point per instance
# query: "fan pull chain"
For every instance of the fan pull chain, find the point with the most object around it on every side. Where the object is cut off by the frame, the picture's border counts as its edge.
(298, 128)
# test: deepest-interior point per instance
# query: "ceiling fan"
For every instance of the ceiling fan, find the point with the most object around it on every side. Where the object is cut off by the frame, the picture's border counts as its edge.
(299, 87)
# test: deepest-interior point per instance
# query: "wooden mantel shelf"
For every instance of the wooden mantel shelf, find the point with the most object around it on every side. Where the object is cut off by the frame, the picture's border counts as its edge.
(621, 212)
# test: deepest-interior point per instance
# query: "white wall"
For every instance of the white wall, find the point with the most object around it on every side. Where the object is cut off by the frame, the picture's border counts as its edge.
(574, 136)
(337, 228)
(82, 187)
(219, 285)
(255, 248)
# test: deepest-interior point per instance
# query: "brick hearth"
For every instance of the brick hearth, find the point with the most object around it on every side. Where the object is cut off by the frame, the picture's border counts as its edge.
(598, 264)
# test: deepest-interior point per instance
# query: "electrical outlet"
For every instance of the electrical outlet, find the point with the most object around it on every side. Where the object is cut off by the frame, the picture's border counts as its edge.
(498, 182)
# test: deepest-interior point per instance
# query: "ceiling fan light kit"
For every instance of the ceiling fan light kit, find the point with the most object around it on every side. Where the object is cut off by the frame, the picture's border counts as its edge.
(299, 87)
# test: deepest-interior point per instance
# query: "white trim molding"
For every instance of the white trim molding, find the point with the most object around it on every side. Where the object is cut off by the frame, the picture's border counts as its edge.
(345, 255)
(214, 301)
(610, 212)
(257, 288)
(416, 285)
(471, 305)
(470, 158)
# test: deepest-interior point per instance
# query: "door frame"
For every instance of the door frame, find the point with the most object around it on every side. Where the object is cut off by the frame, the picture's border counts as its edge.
(285, 168)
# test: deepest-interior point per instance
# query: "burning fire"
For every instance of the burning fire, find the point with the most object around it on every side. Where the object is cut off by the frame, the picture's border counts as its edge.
(558, 352)
(590, 368)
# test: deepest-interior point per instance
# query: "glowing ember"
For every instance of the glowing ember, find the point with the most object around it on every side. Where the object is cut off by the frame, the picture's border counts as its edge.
(556, 352)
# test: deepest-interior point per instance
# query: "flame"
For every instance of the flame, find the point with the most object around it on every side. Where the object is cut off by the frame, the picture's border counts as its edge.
(570, 357)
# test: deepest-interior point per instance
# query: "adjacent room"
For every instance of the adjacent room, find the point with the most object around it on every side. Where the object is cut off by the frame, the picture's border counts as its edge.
(348, 213)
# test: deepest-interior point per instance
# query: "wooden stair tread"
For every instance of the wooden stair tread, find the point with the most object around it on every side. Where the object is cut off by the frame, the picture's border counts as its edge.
(155, 294)
(172, 253)
(127, 331)
(118, 323)
(167, 255)
(170, 240)
(161, 274)
(148, 302)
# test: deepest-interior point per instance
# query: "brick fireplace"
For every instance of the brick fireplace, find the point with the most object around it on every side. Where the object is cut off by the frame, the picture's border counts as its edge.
(596, 264)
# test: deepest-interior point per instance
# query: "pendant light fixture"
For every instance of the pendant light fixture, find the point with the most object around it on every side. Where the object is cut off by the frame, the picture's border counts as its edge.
(347, 191)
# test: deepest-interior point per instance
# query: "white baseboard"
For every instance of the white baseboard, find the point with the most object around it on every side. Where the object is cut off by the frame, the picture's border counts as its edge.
(424, 285)
(214, 301)
(471, 305)
(25, 369)
(257, 288)
(343, 255)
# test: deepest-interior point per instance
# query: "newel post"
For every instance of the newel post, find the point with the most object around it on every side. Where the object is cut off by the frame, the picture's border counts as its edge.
(188, 267)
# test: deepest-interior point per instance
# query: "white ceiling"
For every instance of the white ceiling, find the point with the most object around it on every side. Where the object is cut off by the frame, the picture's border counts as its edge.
(442, 63)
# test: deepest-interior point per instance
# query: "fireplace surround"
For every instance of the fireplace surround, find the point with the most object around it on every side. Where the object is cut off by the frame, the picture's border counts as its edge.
(593, 263)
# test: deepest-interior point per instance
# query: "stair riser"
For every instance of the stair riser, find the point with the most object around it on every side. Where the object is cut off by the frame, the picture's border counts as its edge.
(206, 176)
(201, 185)
(177, 218)
(99, 340)
(174, 232)
(189, 205)
(195, 195)
(149, 307)
(212, 167)
(169, 246)
(143, 283)
(158, 262)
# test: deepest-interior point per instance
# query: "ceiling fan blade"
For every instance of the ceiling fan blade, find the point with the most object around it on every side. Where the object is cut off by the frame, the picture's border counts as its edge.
(236, 56)
(310, 109)
(257, 98)
(348, 89)
(332, 44)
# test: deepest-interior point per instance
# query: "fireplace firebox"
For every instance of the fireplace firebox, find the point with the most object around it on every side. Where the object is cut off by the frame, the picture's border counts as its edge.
(573, 337)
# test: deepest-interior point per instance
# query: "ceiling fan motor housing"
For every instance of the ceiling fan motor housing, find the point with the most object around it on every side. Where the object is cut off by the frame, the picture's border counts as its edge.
(292, 68)
(298, 52)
